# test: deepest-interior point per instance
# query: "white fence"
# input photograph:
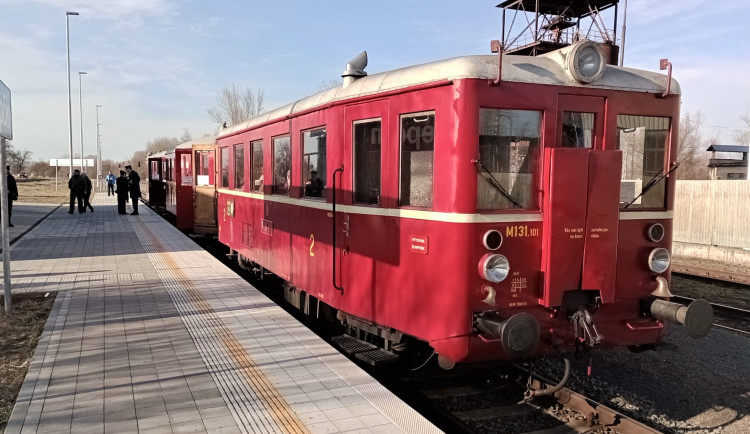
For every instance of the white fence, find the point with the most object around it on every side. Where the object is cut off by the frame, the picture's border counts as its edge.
(713, 213)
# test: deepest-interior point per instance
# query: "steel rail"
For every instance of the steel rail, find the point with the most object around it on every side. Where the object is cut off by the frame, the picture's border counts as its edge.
(727, 276)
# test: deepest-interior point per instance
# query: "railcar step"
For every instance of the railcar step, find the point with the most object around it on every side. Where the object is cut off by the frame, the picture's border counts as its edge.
(377, 357)
(352, 345)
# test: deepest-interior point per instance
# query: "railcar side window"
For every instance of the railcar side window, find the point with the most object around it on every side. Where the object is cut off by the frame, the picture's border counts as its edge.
(282, 165)
(256, 173)
(314, 162)
(154, 170)
(417, 152)
(239, 167)
(508, 159)
(643, 141)
(367, 140)
(224, 167)
(186, 173)
(578, 130)
(204, 167)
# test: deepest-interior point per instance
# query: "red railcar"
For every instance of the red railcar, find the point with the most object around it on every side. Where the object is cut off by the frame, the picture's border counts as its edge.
(489, 217)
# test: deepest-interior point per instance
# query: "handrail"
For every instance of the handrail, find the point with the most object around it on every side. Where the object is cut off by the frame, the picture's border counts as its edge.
(333, 245)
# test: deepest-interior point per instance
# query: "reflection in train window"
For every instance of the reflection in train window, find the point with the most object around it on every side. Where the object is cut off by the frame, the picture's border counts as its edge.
(239, 167)
(282, 165)
(256, 173)
(508, 165)
(643, 141)
(367, 142)
(417, 149)
(578, 130)
(314, 162)
(224, 162)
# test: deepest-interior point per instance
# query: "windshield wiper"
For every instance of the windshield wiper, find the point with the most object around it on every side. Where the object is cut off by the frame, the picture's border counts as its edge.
(494, 182)
(652, 183)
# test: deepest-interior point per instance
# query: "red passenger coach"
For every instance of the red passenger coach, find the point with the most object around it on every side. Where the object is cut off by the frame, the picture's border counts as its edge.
(488, 217)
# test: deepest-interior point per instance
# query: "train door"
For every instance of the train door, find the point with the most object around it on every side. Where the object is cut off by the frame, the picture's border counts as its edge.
(582, 203)
(363, 233)
(204, 190)
(184, 183)
(156, 184)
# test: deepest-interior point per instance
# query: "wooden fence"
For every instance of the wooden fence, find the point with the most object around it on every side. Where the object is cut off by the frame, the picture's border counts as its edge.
(713, 213)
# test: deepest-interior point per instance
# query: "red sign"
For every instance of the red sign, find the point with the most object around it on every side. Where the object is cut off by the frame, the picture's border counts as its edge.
(419, 244)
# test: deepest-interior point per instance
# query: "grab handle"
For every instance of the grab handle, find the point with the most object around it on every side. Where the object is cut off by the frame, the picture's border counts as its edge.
(333, 249)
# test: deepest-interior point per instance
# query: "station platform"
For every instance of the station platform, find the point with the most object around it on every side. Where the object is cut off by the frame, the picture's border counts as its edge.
(150, 333)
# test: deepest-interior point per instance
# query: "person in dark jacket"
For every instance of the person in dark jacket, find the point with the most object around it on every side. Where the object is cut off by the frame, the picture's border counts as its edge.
(12, 195)
(77, 187)
(135, 187)
(122, 191)
(87, 193)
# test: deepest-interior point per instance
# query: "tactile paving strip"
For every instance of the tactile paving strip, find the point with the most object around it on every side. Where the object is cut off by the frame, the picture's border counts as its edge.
(253, 401)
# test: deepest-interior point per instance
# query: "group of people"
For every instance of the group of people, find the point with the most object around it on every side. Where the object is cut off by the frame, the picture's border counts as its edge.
(127, 185)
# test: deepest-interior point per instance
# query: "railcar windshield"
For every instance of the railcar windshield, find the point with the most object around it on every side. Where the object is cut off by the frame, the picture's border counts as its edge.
(508, 154)
(643, 141)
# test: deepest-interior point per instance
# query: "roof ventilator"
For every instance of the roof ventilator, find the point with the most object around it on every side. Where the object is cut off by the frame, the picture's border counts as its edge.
(355, 69)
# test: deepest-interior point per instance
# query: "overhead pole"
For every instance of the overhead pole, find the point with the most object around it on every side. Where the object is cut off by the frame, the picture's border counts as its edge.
(98, 151)
(6, 132)
(70, 104)
(624, 26)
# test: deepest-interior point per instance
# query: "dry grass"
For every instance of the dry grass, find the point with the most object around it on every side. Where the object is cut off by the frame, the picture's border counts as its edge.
(19, 335)
(42, 190)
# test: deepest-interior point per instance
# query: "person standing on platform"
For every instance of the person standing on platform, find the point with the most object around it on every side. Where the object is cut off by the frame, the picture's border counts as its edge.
(12, 195)
(77, 187)
(135, 187)
(87, 193)
(111, 184)
(123, 189)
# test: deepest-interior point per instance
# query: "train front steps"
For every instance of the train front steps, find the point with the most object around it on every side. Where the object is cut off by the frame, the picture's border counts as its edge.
(364, 351)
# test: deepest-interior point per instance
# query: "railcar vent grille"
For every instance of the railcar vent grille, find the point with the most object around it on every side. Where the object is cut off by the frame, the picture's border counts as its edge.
(247, 234)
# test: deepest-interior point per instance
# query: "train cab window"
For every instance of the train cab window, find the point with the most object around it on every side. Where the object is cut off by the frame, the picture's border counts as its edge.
(256, 171)
(224, 168)
(314, 162)
(508, 167)
(643, 141)
(239, 167)
(367, 141)
(417, 151)
(282, 165)
(578, 130)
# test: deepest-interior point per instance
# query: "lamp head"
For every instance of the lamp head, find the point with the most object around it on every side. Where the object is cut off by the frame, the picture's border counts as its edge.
(71, 13)
(81, 73)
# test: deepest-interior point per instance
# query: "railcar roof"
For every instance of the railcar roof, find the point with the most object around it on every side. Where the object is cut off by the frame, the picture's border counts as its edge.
(205, 140)
(546, 69)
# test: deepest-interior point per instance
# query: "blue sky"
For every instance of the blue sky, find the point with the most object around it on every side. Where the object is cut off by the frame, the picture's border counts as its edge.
(156, 65)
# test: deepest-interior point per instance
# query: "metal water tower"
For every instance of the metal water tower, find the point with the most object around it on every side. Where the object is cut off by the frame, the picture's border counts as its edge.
(533, 27)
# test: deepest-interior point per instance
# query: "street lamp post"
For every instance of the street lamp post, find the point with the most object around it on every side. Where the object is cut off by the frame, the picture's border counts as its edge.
(98, 151)
(70, 104)
(80, 104)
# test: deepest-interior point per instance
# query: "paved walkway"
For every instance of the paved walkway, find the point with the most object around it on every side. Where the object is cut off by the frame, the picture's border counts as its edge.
(149, 333)
(26, 215)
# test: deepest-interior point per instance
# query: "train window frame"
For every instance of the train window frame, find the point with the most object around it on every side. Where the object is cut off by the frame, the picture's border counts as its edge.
(533, 204)
(401, 118)
(241, 160)
(304, 177)
(665, 153)
(259, 166)
(286, 190)
(378, 194)
(224, 167)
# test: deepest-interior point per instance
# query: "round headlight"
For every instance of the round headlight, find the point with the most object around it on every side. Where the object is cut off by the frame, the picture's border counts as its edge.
(494, 267)
(492, 239)
(659, 260)
(586, 62)
(656, 232)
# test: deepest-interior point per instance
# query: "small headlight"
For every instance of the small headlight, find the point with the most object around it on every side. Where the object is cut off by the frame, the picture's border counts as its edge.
(656, 232)
(659, 260)
(494, 267)
(492, 239)
(589, 61)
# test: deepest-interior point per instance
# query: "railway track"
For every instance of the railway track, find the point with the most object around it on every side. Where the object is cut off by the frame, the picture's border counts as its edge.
(726, 317)
(487, 400)
(727, 276)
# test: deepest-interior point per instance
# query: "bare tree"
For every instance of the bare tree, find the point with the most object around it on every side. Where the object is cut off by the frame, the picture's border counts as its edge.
(742, 138)
(19, 158)
(235, 105)
(329, 84)
(186, 136)
(691, 148)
